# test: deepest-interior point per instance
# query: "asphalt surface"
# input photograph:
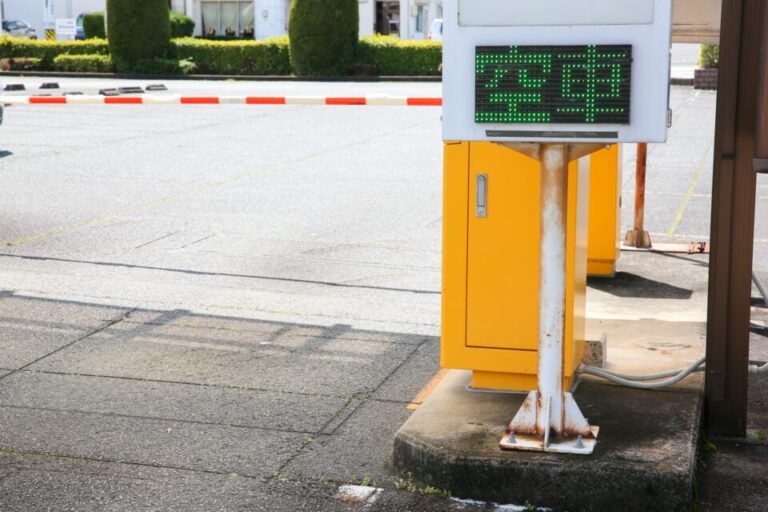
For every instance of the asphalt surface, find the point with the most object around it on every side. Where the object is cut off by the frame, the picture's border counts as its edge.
(231, 307)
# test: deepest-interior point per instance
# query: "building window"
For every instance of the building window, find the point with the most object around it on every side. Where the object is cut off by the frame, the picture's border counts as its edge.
(228, 19)
(420, 19)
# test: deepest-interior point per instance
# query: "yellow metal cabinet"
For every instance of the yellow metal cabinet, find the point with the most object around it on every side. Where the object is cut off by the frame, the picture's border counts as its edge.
(605, 177)
(491, 265)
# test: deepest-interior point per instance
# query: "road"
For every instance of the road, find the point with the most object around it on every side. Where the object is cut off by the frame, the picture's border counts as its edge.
(286, 213)
(345, 199)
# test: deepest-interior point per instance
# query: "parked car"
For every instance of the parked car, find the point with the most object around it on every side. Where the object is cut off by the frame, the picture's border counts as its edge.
(19, 28)
(80, 34)
(436, 31)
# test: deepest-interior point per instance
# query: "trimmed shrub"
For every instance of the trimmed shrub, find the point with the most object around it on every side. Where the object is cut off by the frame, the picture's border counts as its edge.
(709, 57)
(46, 51)
(94, 26)
(21, 64)
(265, 57)
(162, 66)
(83, 63)
(391, 56)
(382, 55)
(138, 30)
(324, 36)
(181, 25)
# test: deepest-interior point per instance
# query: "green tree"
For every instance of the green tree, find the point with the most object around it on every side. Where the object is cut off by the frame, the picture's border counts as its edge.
(138, 31)
(324, 36)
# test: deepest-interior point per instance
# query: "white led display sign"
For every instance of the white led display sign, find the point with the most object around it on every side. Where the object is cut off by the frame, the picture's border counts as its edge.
(517, 71)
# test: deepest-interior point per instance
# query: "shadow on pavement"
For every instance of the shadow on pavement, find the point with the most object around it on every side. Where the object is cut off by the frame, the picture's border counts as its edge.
(94, 397)
(633, 286)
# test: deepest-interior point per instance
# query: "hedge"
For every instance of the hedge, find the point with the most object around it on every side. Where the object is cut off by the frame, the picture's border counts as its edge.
(21, 64)
(83, 63)
(264, 57)
(323, 36)
(138, 30)
(46, 51)
(391, 56)
(94, 25)
(386, 55)
(181, 25)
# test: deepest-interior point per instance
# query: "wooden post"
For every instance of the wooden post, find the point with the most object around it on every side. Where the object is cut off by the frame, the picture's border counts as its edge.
(638, 237)
(733, 217)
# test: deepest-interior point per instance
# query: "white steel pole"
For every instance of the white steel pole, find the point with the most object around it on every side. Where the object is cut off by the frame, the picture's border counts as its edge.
(549, 409)
(554, 217)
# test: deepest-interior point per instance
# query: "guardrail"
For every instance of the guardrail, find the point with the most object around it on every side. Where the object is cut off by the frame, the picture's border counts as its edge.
(403, 101)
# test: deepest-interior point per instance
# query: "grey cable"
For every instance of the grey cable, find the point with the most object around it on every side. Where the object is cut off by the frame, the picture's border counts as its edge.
(636, 381)
(761, 288)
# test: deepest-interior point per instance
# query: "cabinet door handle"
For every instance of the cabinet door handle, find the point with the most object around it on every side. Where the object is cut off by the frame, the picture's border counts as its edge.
(481, 207)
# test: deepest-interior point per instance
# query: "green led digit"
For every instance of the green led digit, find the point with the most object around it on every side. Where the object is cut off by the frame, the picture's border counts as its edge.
(591, 88)
(527, 88)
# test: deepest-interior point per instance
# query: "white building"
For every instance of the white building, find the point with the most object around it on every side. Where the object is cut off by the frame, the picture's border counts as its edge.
(241, 18)
(409, 19)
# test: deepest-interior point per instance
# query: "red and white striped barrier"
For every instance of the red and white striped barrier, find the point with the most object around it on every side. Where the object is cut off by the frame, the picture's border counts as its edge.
(401, 101)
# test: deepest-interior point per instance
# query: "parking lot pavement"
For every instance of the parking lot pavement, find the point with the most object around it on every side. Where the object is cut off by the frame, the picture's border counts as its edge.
(227, 306)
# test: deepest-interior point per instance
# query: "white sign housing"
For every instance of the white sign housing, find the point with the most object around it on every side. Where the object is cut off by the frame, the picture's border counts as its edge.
(556, 70)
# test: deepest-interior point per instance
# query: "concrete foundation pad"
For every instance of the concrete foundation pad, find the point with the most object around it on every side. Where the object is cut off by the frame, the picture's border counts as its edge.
(645, 457)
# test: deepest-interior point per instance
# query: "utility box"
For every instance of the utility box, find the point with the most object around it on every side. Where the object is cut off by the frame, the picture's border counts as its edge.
(517, 72)
(491, 265)
(604, 246)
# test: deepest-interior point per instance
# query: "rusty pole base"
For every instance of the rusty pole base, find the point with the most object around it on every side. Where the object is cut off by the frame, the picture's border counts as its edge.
(638, 239)
(579, 438)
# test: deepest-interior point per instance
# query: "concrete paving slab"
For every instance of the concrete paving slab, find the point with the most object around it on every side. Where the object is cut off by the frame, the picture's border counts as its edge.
(735, 478)
(250, 452)
(358, 449)
(645, 457)
(337, 367)
(648, 345)
(406, 383)
(50, 483)
(168, 401)
(22, 344)
(34, 328)
(278, 332)
(55, 313)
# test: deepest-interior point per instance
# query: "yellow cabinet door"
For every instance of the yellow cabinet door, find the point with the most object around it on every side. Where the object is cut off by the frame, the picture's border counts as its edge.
(503, 249)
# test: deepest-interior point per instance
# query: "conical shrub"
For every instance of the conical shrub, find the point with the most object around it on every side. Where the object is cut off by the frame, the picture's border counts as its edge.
(138, 31)
(324, 36)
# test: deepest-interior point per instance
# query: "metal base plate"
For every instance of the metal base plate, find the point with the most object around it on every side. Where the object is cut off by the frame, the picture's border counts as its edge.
(561, 445)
